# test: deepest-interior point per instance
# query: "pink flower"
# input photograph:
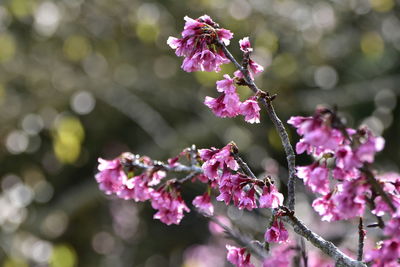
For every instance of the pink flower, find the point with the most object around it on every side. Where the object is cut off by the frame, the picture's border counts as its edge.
(216, 159)
(226, 105)
(170, 206)
(392, 227)
(245, 45)
(136, 188)
(226, 85)
(203, 203)
(381, 207)
(198, 47)
(315, 177)
(247, 200)
(254, 68)
(250, 110)
(238, 257)
(111, 177)
(280, 256)
(326, 208)
(386, 255)
(277, 233)
(270, 197)
(351, 198)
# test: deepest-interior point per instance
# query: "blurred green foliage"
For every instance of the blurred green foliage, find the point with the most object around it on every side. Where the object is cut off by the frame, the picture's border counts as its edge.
(82, 79)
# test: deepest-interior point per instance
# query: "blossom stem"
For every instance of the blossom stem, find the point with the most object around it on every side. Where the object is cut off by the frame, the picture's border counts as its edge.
(290, 156)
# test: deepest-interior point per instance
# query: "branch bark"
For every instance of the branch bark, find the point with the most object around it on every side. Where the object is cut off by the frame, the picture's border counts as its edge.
(267, 103)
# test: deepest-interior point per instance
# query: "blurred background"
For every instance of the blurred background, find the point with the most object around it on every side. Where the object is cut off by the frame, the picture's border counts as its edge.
(82, 79)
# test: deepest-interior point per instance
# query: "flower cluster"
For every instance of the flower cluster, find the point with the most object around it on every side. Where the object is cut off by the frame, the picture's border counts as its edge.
(277, 233)
(325, 137)
(387, 252)
(238, 256)
(200, 45)
(113, 179)
(229, 105)
(221, 167)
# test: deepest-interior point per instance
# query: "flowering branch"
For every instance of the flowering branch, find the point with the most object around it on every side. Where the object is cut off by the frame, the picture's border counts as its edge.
(298, 226)
(266, 100)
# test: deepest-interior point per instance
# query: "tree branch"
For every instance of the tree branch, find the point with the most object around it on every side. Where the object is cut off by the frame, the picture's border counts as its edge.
(290, 156)
(341, 259)
(361, 237)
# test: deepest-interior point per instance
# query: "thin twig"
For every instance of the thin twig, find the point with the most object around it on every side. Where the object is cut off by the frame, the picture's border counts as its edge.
(361, 237)
(242, 240)
(290, 156)
(243, 165)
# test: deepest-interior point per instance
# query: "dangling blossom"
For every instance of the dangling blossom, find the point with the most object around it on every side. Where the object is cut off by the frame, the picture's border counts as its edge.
(270, 197)
(203, 204)
(247, 199)
(316, 177)
(225, 106)
(111, 176)
(254, 68)
(326, 208)
(229, 105)
(250, 110)
(169, 204)
(238, 256)
(277, 233)
(199, 45)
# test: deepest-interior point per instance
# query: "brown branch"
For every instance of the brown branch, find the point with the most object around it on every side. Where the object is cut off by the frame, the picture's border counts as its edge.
(361, 237)
(290, 156)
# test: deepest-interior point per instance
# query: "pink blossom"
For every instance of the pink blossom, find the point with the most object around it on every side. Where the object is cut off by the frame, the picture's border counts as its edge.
(136, 188)
(245, 45)
(227, 85)
(250, 110)
(392, 227)
(111, 177)
(203, 203)
(270, 197)
(226, 105)
(381, 207)
(216, 159)
(351, 198)
(170, 206)
(247, 200)
(386, 255)
(238, 257)
(316, 177)
(280, 256)
(198, 47)
(277, 233)
(326, 208)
